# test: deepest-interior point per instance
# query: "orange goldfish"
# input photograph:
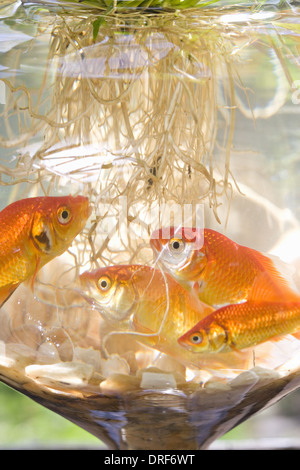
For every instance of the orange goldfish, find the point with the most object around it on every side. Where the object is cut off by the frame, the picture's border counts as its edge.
(33, 231)
(126, 292)
(144, 300)
(239, 326)
(220, 270)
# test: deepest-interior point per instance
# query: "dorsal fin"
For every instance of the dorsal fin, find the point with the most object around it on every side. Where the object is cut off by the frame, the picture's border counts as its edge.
(272, 288)
(275, 282)
(276, 264)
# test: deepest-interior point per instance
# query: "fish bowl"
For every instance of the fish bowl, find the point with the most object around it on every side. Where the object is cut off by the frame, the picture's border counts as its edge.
(165, 120)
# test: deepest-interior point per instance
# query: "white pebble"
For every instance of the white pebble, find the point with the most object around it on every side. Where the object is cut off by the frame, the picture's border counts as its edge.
(68, 373)
(114, 365)
(154, 380)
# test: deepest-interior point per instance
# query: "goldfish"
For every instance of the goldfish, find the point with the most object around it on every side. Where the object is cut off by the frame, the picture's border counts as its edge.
(141, 293)
(220, 271)
(145, 300)
(240, 326)
(33, 231)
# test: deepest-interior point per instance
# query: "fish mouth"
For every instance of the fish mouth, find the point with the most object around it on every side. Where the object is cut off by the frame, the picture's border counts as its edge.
(91, 301)
(111, 315)
(181, 341)
(104, 312)
(85, 296)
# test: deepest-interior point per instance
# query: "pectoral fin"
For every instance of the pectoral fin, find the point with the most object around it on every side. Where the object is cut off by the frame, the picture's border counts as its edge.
(6, 292)
(37, 267)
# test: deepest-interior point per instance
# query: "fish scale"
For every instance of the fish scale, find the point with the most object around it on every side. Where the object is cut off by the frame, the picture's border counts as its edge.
(235, 269)
(13, 268)
(220, 270)
(240, 326)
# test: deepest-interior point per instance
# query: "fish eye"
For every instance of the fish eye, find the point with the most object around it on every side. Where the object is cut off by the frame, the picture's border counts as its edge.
(64, 215)
(104, 283)
(176, 245)
(196, 338)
